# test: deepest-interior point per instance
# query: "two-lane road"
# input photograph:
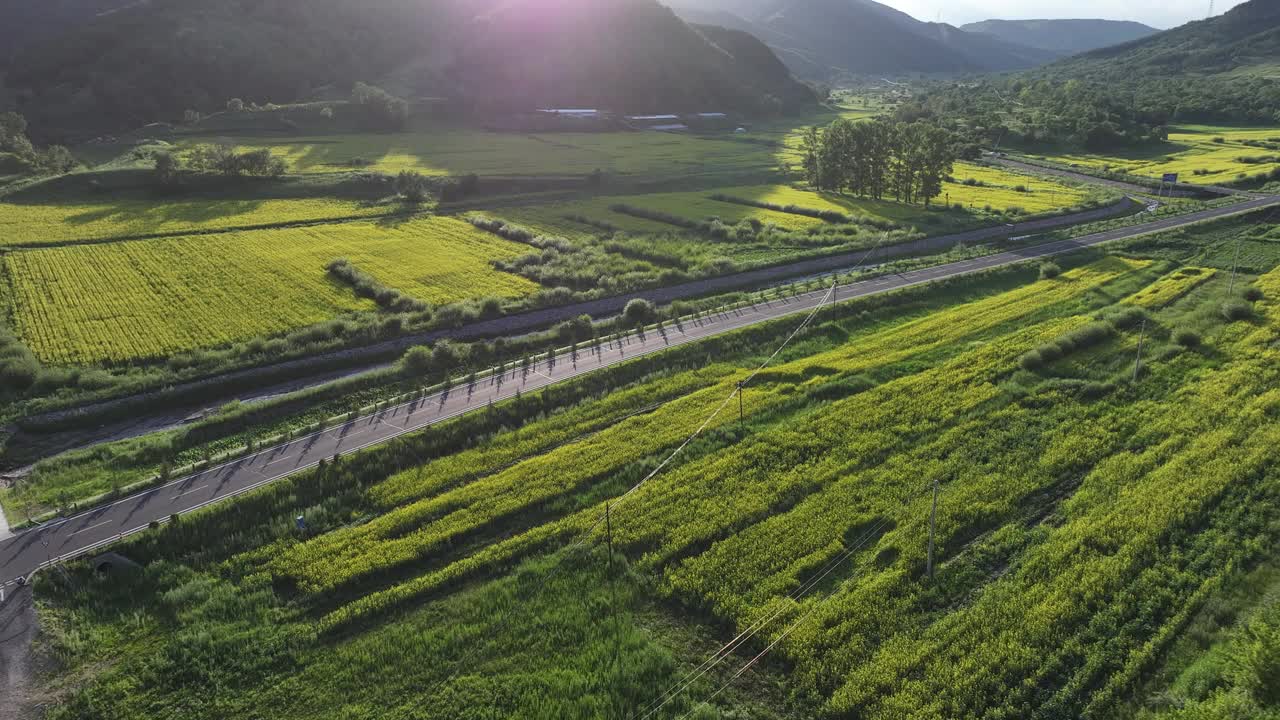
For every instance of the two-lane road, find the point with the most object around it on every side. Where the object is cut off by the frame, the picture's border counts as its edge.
(79, 535)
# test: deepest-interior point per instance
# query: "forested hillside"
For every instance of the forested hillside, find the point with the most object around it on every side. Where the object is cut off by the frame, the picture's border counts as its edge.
(30, 22)
(1067, 37)
(1245, 38)
(154, 61)
(827, 38)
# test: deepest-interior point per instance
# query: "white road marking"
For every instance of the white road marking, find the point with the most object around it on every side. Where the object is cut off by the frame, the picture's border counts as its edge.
(198, 489)
(91, 527)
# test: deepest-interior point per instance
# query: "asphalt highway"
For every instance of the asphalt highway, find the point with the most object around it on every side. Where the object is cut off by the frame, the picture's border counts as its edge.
(88, 532)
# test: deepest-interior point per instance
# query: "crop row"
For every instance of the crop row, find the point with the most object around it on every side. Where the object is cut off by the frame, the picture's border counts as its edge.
(35, 225)
(537, 438)
(422, 529)
(1171, 288)
(1093, 599)
(148, 299)
(318, 566)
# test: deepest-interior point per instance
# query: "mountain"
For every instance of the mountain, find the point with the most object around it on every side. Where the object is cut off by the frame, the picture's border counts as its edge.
(822, 39)
(30, 22)
(153, 61)
(1065, 37)
(1245, 39)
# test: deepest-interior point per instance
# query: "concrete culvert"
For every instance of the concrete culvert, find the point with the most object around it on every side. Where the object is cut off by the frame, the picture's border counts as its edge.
(112, 563)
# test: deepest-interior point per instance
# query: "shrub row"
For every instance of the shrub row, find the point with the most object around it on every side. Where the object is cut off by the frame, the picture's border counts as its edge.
(1088, 336)
(832, 216)
(366, 286)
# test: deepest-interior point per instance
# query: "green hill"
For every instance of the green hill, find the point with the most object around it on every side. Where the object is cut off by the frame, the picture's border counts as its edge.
(153, 61)
(1066, 37)
(827, 38)
(1245, 38)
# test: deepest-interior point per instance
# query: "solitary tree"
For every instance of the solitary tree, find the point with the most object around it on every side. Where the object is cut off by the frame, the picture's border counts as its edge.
(639, 312)
(412, 186)
(167, 168)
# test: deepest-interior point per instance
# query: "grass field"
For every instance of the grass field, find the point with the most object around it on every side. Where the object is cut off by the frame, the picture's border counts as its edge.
(1083, 520)
(997, 192)
(148, 299)
(1194, 154)
(461, 151)
(28, 225)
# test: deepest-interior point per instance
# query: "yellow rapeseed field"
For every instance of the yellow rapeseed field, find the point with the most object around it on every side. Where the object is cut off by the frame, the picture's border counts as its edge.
(26, 225)
(147, 299)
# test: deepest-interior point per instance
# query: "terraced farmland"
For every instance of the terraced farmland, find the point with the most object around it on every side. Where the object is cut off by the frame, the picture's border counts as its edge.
(148, 299)
(30, 225)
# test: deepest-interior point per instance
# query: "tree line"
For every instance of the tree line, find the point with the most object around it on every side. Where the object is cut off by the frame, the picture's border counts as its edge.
(219, 158)
(1026, 112)
(1057, 111)
(909, 161)
(19, 156)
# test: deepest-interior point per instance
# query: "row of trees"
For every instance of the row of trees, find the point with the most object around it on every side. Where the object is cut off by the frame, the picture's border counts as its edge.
(18, 155)
(221, 159)
(909, 161)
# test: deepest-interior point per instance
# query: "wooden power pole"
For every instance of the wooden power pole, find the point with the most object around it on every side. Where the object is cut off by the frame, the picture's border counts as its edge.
(933, 526)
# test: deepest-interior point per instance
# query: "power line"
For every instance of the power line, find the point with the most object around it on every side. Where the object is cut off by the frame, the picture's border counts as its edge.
(795, 596)
(606, 518)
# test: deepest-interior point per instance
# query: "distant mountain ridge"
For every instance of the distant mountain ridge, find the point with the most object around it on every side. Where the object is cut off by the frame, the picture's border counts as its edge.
(821, 39)
(1247, 36)
(1067, 37)
(150, 62)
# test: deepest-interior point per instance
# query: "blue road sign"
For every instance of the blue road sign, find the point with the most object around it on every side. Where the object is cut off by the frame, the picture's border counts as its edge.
(1171, 178)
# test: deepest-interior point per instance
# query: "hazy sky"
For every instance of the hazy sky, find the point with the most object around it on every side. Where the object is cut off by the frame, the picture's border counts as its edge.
(1163, 14)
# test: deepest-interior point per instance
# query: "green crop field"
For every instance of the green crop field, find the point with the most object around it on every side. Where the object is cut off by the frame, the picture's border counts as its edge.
(461, 151)
(1083, 522)
(150, 298)
(997, 192)
(27, 225)
(1200, 154)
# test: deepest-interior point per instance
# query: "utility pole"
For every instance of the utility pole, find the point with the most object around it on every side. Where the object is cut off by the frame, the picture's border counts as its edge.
(1137, 365)
(613, 588)
(933, 526)
(742, 386)
(1235, 264)
(613, 585)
